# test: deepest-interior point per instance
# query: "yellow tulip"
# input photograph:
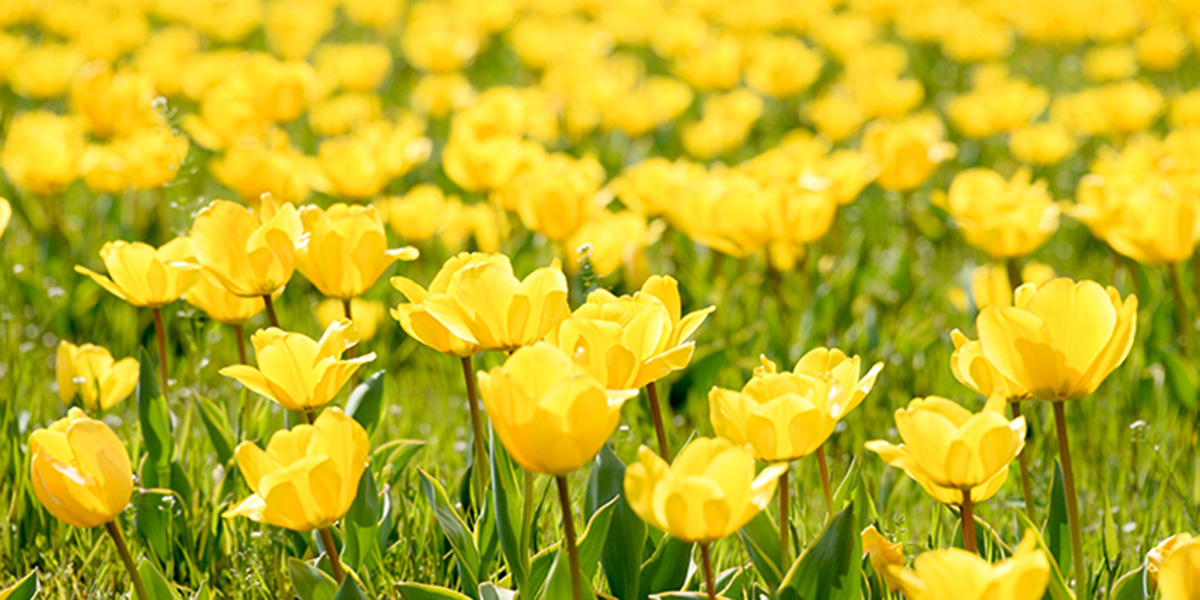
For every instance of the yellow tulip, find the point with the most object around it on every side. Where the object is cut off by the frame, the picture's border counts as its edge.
(907, 152)
(5, 215)
(1060, 340)
(556, 195)
(219, 304)
(708, 493)
(950, 450)
(551, 417)
(419, 214)
(367, 315)
(344, 249)
(476, 303)
(884, 555)
(956, 574)
(1041, 143)
(42, 151)
(80, 470)
(90, 373)
(973, 370)
(1003, 217)
(355, 67)
(307, 478)
(1179, 577)
(298, 372)
(1158, 554)
(628, 342)
(144, 276)
(247, 254)
(990, 286)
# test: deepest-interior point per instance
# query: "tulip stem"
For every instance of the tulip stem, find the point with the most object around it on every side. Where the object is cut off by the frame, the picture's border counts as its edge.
(1023, 461)
(271, 316)
(656, 415)
(825, 480)
(784, 522)
(527, 518)
(706, 564)
(476, 429)
(335, 561)
(968, 522)
(1014, 272)
(240, 333)
(114, 531)
(1181, 312)
(161, 334)
(564, 498)
(1064, 454)
(352, 351)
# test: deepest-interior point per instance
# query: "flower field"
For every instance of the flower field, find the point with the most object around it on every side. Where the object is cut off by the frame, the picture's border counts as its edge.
(580, 299)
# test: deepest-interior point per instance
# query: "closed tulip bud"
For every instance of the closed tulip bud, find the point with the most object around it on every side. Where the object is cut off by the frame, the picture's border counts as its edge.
(250, 255)
(80, 470)
(973, 370)
(1003, 217)
(89, 373)
(949, 450)
(708, 493)
(42, 151)
(1159, 553)
(476, 303)
(220, 304)
(1060, 340)
(368, 314)
(885, 555)
(990, 286)
(956, 574)
(552, 418)
(1179, 577)
(907, 152)
(5, 215)
(144, 276)
(307, 477)
(631, 341)
(344, 249)
(300, 373)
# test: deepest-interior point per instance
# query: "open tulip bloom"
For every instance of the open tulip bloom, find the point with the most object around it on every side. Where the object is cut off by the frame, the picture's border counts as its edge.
(89, 372)
(954, 574)
(343, 250)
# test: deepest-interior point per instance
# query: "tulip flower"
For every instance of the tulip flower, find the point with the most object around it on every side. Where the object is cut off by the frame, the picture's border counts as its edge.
(368, 314)
(630, 342)
(957, 456)
(1003, 217)
(90, 373)
(81, 474)
(708, 493)
(250, 255)
(343, 250)
(958, 575)
(300, 373)
(307, 477)
(1159, 553)
(885, 556)
(907, 152)
(1179, 576)
(5, 215)
(224, 307)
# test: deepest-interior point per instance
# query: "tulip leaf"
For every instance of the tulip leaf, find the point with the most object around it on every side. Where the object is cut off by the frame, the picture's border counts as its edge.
(667, 567)
(591, 542)
(488, 591)
(456, 531)
(349, 590)
(424, 591)
(26, 588)
(1182, 378)
(152, 520)
(761, 538)
(1058, 531)
(621, 557)
(849, 486)
(310, 582)
(830, 569)
(1130, 586)
(735, 583)
(156, 583)
(216, 423)
(399, 454)
(361, 524)
(366, 402)
(508, 514)
(155, 420)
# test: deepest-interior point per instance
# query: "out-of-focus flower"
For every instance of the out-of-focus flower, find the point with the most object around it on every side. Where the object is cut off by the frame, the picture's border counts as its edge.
(476, 303)
(354, 67)
(90, 373)
(709, 492)
(113, 102)
(45, 70)
(264, 166)
(726, 122)
(1110, 63)
(343, 250)
(145, 276)
(165, 56)
(650, 187)
(342, 113)
(1041, 143)
(146, 158)
(250, 255)
(367, 315)
(361, 164)
(80, 470)
(713, 65)
(1003, 217)
(42, 151)
(298, 372)
(956, 574)
(907, 152)
(293, 27)
(436, 94)
(419, 214)
(659, 100)
(1179, 577)
(371, 13)
(884, 555)
(551, 417)
(990, 286)
(994, 107)
(835, 114)
(307, 477)
(556, 195)
(220, 304)
(1161, 47)
(1059, 340)
(951, 451)
(1159, 553)
(613, 241)
(5, 215)
(781, 66)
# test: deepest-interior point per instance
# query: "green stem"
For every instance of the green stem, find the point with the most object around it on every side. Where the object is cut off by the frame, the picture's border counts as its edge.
(271, 316)
(706, 564)
(476, 430)
(1064, 453)
(1014, 272)
(352, 351)
(335, 561)
(240, 333)
(564, 499)
(784, 522)
(114, 531)
(161, 334)
(527, 519)
(825, 480)
(1023, 461)
(1181, 313)
(660, 432)
(968, 522)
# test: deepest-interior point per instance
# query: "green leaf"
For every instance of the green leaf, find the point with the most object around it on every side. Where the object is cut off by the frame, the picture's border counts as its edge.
(157, 586)
(310, 582)
(487, 591)
(622, 555)
(423, 591)
(456, 531)
(830, 569)
(349, 590)
(847, 489)
(1182, 378)
(155, 420)
(366, 402)
(1058, 531)
(1130, 586)
(152, 520)
(360, 527)
(398, 454)
(25, 588)
(591, 543)
(761, 538)
(667, 567)
(216, 423)
(508, 515)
